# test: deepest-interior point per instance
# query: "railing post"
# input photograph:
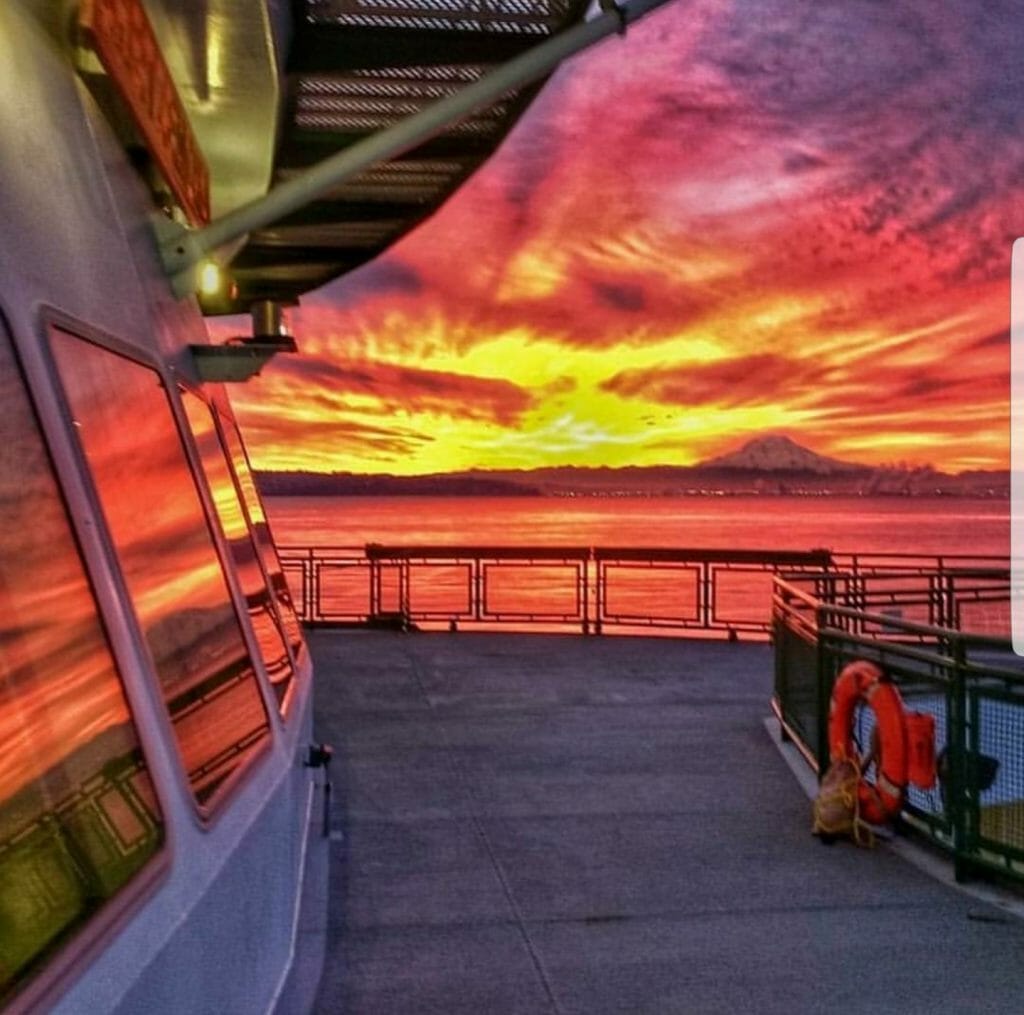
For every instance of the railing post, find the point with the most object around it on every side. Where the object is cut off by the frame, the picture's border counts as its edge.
(404, 569)
(706, 593)
(374, 586)
(585, 579)
(780, 641)
(859, 600)
(311, 575)
(942, 599)
(957, 754)
(600, 576)
(824, 689)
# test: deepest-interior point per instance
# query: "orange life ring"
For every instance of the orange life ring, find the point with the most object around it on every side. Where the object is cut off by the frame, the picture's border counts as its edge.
(861, 681)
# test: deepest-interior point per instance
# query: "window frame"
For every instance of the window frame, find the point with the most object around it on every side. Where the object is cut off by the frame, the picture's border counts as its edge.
(283, 708)
(206, 814)
(224, 420)
(94, 934)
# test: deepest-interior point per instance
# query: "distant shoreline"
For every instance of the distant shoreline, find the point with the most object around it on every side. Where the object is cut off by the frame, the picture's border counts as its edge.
(996, 495)
(769, 466)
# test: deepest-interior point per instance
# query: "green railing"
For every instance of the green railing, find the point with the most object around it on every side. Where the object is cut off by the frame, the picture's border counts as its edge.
(971, 683)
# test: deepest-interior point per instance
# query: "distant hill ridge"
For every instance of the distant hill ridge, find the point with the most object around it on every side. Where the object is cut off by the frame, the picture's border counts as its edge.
(771, 464)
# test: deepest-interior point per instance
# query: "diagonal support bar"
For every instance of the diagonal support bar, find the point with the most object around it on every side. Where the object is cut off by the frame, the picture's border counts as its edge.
(182, 249)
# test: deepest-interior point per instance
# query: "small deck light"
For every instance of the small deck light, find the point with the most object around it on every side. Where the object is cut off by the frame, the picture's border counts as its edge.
(211, 278)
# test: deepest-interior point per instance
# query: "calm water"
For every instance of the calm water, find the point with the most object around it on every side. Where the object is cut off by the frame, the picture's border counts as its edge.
(884, 525)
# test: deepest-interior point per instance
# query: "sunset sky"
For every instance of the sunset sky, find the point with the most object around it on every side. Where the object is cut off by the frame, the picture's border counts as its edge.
(745, 218)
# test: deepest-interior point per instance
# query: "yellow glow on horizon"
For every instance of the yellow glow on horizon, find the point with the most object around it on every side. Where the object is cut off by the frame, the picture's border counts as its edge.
(532, 361)
(573, 420)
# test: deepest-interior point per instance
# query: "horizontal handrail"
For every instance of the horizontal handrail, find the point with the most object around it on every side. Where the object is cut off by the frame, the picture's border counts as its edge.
(779, 558)
(680, 589)
(596, 589)
(377, 551)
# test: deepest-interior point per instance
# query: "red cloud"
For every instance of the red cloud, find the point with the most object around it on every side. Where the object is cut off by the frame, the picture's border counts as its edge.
(744, 380)
(396, 386)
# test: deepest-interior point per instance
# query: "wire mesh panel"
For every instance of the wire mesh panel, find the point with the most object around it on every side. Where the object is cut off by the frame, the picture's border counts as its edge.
(797, 682)
(925, 690)
(411, 181)
(998, 714)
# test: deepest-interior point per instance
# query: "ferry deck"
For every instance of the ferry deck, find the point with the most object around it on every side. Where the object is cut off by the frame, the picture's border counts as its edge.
(519, 822)
(556, 823)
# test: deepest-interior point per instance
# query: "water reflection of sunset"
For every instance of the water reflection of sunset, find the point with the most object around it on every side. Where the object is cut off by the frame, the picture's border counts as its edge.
(738, 227)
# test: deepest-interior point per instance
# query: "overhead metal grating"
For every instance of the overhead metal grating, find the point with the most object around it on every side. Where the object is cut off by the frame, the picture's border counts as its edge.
(537, 17)
(366, 102)
(356, 67)
(410, 181)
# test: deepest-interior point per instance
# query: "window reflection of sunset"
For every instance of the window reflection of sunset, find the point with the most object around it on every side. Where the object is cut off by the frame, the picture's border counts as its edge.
(197, 587)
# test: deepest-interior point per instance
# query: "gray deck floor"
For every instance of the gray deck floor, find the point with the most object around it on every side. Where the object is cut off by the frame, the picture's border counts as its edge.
(540, 823)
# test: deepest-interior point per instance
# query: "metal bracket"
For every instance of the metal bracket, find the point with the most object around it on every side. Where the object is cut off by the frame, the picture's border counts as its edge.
(179, 254)
(237, 362)
(319, 756)
(611, 7)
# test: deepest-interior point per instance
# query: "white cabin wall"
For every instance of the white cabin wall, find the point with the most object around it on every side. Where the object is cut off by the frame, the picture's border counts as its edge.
(216, 934)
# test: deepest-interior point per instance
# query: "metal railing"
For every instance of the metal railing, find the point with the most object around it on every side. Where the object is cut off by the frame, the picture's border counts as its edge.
(939, 625)
(593, 590)
(619, 589)
(971, 683)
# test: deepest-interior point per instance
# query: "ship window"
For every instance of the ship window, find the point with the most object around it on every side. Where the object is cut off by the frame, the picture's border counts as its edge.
(78, 814)
(259, 599)
(264, 538)
(155, 518)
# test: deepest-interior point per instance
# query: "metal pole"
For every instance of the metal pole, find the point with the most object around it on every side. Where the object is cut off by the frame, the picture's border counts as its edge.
(182, 249)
